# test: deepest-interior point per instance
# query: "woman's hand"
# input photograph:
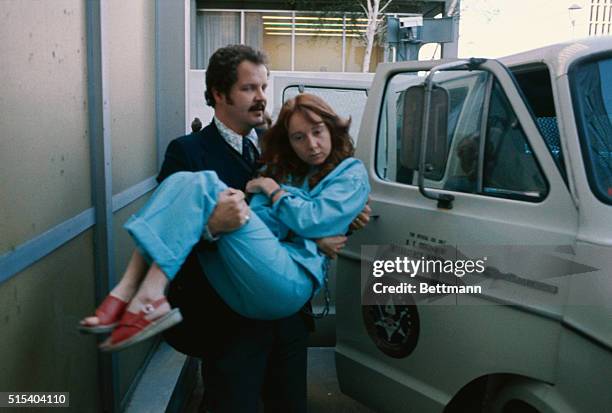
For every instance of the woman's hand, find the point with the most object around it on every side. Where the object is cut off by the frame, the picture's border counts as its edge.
(331, 246)
(265, 185)
(362, 219)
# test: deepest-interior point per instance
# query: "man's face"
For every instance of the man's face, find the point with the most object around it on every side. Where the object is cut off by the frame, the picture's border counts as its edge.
(243, 107)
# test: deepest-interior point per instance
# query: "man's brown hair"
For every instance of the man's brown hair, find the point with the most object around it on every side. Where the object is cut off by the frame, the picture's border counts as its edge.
(222, 70)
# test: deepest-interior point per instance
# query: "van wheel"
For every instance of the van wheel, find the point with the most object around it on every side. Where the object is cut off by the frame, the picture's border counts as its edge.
(518, 406)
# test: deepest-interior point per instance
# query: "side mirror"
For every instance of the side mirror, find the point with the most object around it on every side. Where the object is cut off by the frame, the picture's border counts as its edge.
(413, 101)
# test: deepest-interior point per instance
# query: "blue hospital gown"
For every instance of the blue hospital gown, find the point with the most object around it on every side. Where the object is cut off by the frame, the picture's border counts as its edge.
(257, 275)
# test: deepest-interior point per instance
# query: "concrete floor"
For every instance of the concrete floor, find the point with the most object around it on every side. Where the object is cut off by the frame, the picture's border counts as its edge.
(324, 395)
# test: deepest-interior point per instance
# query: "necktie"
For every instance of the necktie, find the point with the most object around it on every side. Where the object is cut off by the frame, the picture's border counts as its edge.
(249, 152)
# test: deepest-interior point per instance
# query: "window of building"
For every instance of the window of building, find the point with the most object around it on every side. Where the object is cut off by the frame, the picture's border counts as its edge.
(214, 29)
(600, 18)
(270, 32)
(288, 38)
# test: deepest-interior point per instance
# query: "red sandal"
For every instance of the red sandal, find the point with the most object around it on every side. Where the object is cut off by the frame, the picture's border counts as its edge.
(109, 313)
(134, 327)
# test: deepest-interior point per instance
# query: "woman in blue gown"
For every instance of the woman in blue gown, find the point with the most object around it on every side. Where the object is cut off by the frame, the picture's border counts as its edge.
(270, 267)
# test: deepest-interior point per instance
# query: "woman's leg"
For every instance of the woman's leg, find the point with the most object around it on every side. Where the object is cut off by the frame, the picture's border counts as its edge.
(165, 230)
(252, 270)
(127, 286)
(173, 220)
(151, 289)
(256, 274)
(132, 277)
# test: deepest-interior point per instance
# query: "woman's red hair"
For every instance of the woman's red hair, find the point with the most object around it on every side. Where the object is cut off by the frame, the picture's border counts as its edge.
(278, 155)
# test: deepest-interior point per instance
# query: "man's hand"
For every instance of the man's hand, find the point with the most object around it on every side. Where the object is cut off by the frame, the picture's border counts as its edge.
(362, 219)
(230, 213)
(330, 246)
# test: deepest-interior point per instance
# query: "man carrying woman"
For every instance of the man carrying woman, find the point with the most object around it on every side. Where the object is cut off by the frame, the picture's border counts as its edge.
(270, 266)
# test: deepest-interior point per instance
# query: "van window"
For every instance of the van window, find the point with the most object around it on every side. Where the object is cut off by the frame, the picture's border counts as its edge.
(466, 94)
(591, 84)
(535, 83)
(488, 151)
(509, 169)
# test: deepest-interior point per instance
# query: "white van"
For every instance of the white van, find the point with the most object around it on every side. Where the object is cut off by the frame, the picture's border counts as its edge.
(525, 159)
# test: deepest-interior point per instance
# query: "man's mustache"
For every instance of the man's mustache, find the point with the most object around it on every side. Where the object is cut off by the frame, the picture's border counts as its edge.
(256, 107)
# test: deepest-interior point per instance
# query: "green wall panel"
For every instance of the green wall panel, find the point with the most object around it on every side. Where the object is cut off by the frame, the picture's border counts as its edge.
(44, 144)
(131, 66)
(40, 346)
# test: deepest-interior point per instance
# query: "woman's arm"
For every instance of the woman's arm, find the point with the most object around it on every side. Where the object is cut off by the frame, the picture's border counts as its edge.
(329, 209)
(325, 211)
(327, 214)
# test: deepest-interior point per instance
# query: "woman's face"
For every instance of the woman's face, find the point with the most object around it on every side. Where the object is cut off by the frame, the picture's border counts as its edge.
(309, 138)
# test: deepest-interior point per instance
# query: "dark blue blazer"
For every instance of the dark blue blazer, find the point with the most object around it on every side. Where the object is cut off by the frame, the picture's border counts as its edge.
(206, 150)
(209, 325)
